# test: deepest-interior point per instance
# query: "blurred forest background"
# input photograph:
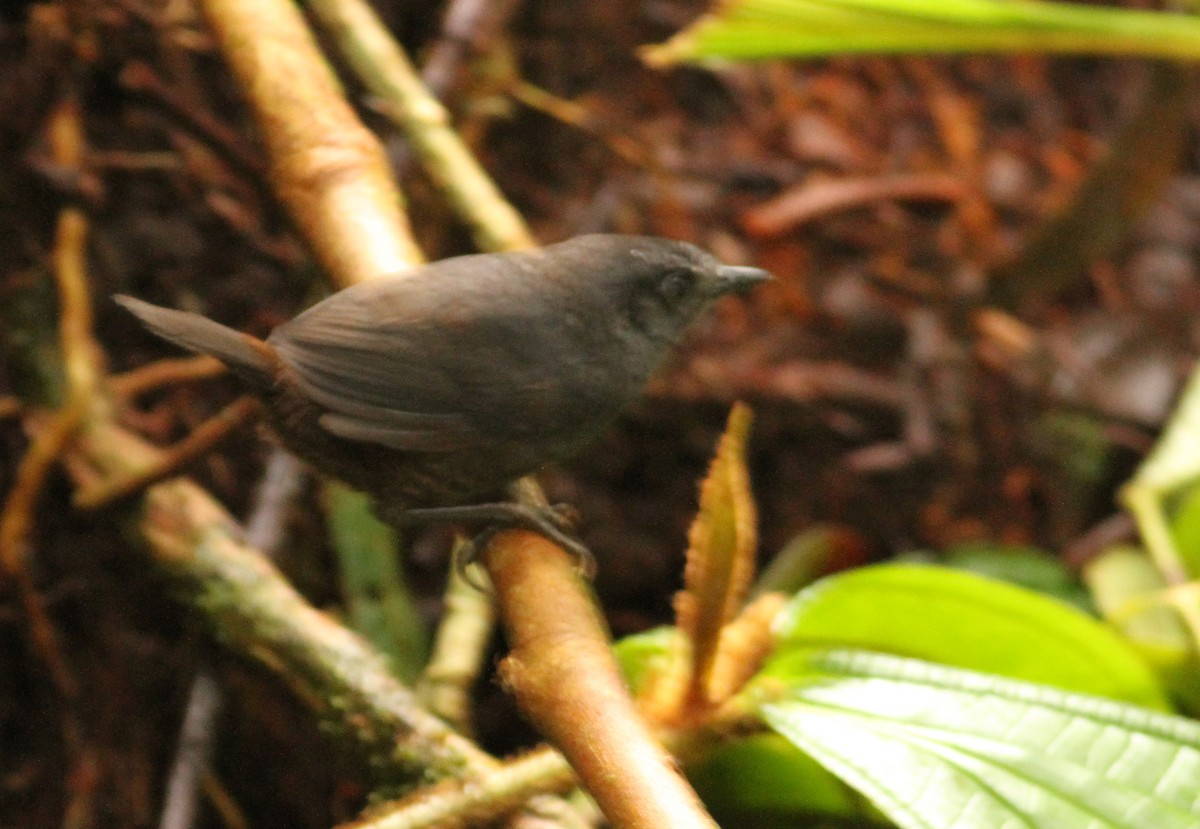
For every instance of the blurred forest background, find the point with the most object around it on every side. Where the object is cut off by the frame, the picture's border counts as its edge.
(945, 359)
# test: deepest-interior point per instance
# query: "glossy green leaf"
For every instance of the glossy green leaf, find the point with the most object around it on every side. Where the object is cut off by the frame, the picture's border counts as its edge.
(956, 618)
(796, 28)
(942, 748)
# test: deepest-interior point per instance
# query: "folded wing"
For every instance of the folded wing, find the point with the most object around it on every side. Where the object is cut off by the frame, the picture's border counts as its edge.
(393, 364)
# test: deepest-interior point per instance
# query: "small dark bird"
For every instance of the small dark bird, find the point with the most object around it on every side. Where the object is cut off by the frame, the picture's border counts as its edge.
(434, 390)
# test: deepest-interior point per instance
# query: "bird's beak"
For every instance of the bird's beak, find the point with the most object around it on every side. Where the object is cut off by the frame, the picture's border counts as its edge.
(739, 278)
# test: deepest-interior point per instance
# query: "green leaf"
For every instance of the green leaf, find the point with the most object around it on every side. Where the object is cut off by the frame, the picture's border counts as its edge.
(1023, 566)
(379, 603)
(965, 620)
(805, 28)
(1175, 459)
(1172, 466)
(647, 653)
(1185, 527)
(1129, 591)
(813, 552)
(767, 773)
(942, 748)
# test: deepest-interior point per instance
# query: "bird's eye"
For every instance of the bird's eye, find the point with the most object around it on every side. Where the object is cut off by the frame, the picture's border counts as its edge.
(674, 286)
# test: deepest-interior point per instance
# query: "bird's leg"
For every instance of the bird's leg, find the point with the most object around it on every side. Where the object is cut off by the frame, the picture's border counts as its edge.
(555, 522)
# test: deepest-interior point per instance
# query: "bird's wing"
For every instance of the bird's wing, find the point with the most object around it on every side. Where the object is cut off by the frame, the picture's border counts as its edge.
(349, 417)
(393, 363)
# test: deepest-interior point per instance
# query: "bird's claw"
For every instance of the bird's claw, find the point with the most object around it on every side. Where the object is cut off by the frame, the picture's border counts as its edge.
(555, 522)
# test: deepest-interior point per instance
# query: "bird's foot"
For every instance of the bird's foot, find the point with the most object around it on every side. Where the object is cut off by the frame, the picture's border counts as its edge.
(556, 522)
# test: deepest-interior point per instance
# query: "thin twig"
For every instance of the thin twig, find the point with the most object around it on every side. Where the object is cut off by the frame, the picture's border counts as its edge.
(478, 802)
(192, 753)
(523, 778)
(466, 629)
(173, 460)
(807, 202)
(387, 73)
(16, 521)
(467, 27)
(78, 348)
(140, 78)
(163, 373)
(248, 605)
(581, 118)
(281, 481)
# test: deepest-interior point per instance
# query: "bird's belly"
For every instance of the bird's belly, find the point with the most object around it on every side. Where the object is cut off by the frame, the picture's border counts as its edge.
(396, 479)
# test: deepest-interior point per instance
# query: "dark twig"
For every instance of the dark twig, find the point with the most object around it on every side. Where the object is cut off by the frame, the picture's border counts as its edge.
(807, 202)
(163, 373)
(192, 753)
(467, 29)
(139, 78)
(264, 529)
(75, 340)
(201, 440)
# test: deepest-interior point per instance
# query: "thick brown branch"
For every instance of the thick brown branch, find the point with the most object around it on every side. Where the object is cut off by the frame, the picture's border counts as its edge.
(562, 671)
(327, 169)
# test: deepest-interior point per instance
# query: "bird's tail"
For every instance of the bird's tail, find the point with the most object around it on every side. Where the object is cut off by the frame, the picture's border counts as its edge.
(248, 356)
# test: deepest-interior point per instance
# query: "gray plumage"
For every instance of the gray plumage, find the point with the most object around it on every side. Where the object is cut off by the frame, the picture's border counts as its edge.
(439, 386)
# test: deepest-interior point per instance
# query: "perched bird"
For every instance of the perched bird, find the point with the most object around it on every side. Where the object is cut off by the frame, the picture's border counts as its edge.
(434, 390)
